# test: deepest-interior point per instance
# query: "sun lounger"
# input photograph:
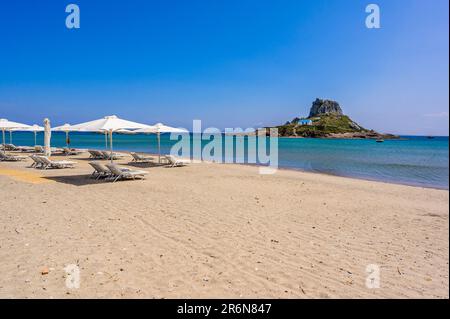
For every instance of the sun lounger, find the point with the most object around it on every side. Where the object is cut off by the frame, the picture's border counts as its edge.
(56, 150)
(100, 170)
(11, 147)
(47, 163)
(141, 158)
(26, 149)
(96, 154)
(174, 161)
(40, 149)
(107, 155)
(10, 158)
(71, 151)
(125, 173)
(37, 162)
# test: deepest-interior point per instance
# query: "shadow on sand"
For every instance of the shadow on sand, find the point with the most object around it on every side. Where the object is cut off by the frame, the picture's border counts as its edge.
(76, 180)
(144, 164)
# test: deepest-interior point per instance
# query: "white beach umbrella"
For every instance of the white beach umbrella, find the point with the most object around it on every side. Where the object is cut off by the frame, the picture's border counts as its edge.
(65, 128)
(47, 138)
(33, 128)
(125, 131)
(157, 129)
(6, 125)
(109, 124)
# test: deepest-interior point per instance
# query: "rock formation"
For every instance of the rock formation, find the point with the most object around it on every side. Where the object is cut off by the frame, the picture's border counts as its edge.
(328, 121)
(320, 106)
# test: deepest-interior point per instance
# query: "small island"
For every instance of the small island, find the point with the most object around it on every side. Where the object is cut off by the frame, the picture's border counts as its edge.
(327, 120)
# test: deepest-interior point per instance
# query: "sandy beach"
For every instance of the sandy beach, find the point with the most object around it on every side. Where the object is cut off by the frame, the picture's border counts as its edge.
(218, 231)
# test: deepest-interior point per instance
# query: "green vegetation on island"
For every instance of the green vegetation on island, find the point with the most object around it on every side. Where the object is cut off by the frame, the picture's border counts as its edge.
(326, 120)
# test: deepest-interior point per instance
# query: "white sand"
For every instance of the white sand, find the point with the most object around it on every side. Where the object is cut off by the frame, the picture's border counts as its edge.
(211, 230)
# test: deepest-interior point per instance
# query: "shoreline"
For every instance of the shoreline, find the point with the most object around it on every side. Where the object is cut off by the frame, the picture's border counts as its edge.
(312, 172)
(293, 169)
(352, 177)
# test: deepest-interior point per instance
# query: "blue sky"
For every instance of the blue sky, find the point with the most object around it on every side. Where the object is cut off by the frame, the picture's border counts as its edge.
(229, 63)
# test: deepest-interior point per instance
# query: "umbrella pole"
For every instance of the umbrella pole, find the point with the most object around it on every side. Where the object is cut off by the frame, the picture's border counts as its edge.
(111, 145)
(159, 147)
(67, 139)
(10, 137)
(106, 140)
(35, 133)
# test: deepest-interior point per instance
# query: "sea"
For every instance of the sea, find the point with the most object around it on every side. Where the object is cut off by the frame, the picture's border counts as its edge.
(411, 160)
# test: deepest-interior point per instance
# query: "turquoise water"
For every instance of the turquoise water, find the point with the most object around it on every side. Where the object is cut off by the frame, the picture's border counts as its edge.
(412, 160)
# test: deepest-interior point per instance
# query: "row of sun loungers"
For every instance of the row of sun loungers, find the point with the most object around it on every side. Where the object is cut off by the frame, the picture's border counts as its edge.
(44, 162)
(40, 149)
(172, 160)
(100, 155)
(10, 158)
(108, 171)
(104, 155)
(115, 172)
(72, 151)
(12, 147)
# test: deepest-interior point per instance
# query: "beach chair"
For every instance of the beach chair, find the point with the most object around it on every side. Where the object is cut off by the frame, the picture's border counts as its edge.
(40, 149)
(11, 147)
(26, 149)
(141, 158)
(56, 150)
(174, 161)
(37, 163)
(100, 170)
(47, 163)
(96, 154)
(71, 151)
(10, 158)
(125, 173)
(115, 156)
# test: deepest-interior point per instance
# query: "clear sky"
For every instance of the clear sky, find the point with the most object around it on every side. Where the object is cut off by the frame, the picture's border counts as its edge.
(233, 63)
